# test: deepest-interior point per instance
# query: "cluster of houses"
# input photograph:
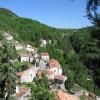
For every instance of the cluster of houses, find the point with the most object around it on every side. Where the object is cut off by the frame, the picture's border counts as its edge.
(25, 56)
(44, 64)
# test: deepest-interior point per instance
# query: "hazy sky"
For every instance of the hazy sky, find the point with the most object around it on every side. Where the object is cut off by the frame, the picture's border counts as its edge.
(57, 13)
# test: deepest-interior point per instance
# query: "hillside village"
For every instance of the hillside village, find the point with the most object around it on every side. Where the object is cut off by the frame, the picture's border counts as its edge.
(40, 63)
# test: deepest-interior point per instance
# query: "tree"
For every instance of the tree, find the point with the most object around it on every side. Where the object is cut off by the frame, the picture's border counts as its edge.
(7, 76)
(69, 82)
(92, 13)
(40, 90)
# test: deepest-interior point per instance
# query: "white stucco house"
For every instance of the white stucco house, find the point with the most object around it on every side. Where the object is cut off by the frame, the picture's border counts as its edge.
(8, 36)
(27, 75)
(29, 48)
(43, 43)
(18, 46)
(26, 58)
(53, 65)
(44, 56)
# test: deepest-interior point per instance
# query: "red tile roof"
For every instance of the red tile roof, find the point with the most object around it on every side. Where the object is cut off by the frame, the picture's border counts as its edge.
(22, 91)
(61, 95)
(53, 63)
(49, 72)
(19, 74)
(44, 54)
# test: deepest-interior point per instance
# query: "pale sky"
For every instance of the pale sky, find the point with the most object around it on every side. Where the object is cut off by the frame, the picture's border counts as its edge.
(56, 13)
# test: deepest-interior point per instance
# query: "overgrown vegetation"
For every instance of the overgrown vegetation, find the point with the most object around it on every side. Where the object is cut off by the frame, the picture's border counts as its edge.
(40, 90)
(7, 75)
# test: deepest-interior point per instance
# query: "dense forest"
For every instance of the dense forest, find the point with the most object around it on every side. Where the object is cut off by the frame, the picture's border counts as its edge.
(78, 50)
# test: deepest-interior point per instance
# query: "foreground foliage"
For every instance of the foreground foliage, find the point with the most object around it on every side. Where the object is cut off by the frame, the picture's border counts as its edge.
(40, 90)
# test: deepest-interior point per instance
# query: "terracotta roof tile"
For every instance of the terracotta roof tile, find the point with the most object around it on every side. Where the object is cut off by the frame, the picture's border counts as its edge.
(49, 72)
(19, 74)
(53, 63)
(61, 95)
(44, 54)
(23, 90)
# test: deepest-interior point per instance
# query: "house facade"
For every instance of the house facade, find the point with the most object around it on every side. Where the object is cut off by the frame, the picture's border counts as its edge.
(53, 65)
(31, 58)
(26, 58)
(29, 48)
(44, 56)
(18, 46)
(27, 75)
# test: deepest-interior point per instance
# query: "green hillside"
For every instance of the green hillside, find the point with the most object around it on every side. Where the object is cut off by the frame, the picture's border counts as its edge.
(78, 50)
(27, 29)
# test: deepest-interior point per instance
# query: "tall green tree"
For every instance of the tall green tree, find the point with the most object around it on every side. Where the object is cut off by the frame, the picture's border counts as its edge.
(40, 90)
(92, 11)
(7, 77)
